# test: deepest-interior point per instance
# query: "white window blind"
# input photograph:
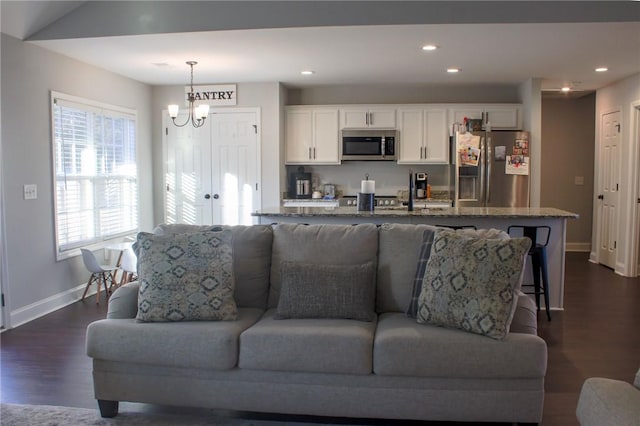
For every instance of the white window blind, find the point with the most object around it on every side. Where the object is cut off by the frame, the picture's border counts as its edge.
(96, 183)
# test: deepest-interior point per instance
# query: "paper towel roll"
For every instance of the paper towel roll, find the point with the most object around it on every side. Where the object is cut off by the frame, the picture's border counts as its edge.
(368, 186)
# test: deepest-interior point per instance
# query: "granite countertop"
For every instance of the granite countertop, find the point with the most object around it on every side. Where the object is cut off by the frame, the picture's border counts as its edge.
(469, 212)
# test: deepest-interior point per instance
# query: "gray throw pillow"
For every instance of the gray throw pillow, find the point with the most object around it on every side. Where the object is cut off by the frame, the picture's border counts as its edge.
(185, 277)
(327, 291)
(472, 283)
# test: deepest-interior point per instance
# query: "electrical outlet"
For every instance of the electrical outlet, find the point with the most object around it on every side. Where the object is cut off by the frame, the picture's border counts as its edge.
(578, 180)
(30, 192)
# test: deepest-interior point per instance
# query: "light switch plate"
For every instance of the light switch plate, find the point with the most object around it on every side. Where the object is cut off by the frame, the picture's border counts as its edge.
(578, 180)
(30, 191)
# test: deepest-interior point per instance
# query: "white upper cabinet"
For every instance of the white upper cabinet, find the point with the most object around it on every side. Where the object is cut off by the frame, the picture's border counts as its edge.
(364, 117)
(498, 116)
(311, 136)
(424, 138)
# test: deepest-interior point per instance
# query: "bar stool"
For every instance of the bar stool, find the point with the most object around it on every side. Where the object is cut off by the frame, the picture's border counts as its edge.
(538, 253)
(457, 226)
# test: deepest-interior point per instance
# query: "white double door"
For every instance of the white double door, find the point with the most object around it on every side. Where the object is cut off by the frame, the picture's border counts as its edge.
(212, 173)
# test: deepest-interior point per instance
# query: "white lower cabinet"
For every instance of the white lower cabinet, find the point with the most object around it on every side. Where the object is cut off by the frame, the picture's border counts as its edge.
(312, 136)
(424, 138)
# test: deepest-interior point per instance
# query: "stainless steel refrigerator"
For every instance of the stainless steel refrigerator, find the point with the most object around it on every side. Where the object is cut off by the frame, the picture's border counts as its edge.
(491, 169)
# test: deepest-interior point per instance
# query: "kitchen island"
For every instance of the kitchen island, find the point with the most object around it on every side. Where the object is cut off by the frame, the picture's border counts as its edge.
(480, 217)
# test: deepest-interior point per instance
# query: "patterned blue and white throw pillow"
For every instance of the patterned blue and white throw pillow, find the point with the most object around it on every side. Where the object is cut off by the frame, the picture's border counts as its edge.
(185, 277)
(472, 283)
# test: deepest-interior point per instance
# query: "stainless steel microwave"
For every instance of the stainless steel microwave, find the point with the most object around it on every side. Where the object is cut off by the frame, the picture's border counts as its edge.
(370, 145)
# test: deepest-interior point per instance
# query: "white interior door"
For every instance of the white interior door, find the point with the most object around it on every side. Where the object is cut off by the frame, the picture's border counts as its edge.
(637, 217)
(212, 173)
(188, 174)
(608, 188)
(235, 167)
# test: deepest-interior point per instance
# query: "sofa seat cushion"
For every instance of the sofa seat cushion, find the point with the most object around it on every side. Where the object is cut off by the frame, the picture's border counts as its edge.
(202, 344)
(308, 345)
(405, 348)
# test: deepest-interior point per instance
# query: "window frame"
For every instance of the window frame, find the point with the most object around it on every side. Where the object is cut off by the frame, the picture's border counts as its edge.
(108, 110)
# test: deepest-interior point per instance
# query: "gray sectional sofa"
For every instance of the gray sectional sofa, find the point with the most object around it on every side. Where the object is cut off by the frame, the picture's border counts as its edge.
(388, 368)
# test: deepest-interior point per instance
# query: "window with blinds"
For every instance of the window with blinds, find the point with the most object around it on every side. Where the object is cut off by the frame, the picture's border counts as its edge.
(96, 183)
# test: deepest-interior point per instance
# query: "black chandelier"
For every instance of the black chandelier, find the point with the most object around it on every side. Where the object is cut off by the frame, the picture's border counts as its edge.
(197, 114)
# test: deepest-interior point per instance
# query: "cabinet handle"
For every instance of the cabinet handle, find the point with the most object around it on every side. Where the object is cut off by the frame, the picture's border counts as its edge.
(314, 153)
(309, 153)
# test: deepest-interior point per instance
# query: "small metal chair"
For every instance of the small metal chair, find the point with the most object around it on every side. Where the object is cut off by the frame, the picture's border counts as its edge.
(100, 274)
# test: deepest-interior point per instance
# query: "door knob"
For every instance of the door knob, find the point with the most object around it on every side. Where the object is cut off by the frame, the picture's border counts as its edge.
(601, 197)
(216, 196)
(207, 196)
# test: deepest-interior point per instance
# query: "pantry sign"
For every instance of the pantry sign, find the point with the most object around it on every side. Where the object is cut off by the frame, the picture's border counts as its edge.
(215, 95)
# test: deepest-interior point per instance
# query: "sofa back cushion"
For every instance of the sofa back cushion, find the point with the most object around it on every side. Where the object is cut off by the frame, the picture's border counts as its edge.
(399, 252)
(320, 244)
(251, 259)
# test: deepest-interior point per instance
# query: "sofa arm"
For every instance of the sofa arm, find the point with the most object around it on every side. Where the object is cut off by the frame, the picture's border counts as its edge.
(123, 303)
(608, 402)
(636, 382)
(525, 319)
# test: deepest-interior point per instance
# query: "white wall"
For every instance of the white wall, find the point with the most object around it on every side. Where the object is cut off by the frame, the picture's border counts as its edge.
(35, 281)
(621, 96)
(267, 97)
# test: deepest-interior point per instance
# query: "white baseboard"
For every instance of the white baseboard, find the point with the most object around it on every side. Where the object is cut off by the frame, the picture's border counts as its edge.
(579, 247)
(46, 306)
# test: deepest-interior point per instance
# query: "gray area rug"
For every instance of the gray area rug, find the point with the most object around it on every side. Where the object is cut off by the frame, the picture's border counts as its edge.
(47, 415)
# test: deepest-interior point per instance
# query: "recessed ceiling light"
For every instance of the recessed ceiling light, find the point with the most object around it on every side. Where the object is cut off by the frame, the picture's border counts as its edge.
(429, 47)
(307, 72)
(453, 70)
(602, 69)
(566, 89)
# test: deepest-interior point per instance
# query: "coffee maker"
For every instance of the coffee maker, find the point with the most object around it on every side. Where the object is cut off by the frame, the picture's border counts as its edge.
(421, 186)
(300, 184)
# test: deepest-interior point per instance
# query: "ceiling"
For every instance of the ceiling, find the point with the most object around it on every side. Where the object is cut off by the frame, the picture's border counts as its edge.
(344, 43)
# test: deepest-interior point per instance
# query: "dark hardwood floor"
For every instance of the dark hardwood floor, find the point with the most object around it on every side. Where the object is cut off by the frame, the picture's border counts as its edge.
(44, 361)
